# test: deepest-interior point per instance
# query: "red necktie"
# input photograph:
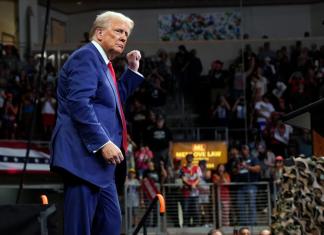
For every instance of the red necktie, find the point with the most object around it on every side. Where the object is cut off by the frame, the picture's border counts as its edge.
(122, 116)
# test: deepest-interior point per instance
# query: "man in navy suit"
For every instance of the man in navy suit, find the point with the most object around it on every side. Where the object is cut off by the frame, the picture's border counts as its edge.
(90, 131)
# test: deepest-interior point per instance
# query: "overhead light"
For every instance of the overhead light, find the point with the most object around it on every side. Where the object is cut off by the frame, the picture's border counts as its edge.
(79, 3)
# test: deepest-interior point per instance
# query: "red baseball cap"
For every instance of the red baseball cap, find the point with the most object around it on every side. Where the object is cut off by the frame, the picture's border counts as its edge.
(279, 158)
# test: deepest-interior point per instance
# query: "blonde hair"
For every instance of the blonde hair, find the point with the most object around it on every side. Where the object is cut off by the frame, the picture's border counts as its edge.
(103, 20)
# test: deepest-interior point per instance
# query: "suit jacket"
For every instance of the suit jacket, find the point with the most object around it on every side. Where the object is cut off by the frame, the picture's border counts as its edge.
(88, 115)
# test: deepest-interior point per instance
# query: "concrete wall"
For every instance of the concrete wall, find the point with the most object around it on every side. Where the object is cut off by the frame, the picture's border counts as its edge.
(274, 21)
(317, 19)
(8, 19)
(283, 24)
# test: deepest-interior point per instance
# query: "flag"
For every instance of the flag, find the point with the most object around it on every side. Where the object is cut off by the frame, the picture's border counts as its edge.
(13, 153)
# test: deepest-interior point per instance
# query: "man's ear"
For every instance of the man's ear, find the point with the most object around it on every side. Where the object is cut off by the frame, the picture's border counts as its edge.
(99, 34)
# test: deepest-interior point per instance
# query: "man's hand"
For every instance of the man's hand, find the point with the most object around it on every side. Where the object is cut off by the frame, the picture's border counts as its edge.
(133, 59)
(112, 154)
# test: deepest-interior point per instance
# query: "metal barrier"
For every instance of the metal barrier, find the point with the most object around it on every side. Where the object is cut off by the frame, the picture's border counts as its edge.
(191, 211)
(142, 224)
(136, 203)
(226, 206)
(244, 204)
(200, 133)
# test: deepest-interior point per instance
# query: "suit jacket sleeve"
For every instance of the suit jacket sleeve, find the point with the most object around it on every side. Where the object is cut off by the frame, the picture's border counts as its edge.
(127, 84)
(83, 78)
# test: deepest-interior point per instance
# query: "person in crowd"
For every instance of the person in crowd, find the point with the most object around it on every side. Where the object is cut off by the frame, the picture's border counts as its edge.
(133, 196)
(48, 103)
(267, 162)
(153, 174)
(159, 140)
(259, 83)
(2, 102)
(10, 112)
(311, 84)
(193, 69)
(239, 113)
(265, 232)
(50, 76)
(163, 67)
(142, 157)
(27, 107)
(231, 168)
(12, 58)
(29, 70)
(248, 171)
(179, 65)
(304, 142)
(218, 79)
(222, 177)
(91, 133)
(239, 76)
(138, 119)
(155, 177)
(215, 232)
(244, 231)
(296, 85)
(156, 90)
(151, 121)
(130, 152)
(283, 64)
(266, 51)
(280, 138)
(263, 109)
(204, 194)
(220, 112)
(190, 176)
(269, 71)
(278, 174)
(232, 163)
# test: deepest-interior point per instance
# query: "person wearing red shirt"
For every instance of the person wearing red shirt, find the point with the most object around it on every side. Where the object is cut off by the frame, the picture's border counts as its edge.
(222, 177)
(190, 176)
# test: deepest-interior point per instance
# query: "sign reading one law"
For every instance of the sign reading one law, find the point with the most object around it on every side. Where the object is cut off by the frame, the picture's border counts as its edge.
(214, 152)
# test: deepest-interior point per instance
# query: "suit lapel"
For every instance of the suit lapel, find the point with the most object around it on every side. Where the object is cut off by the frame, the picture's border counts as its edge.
(108, 77)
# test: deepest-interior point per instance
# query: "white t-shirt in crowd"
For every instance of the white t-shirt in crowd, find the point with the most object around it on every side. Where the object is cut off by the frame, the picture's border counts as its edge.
(48, 108)
(264, 109)
(286, 135)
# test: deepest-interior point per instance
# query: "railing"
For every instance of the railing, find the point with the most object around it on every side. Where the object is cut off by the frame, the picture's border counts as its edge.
(200, 133)
(227, 206)
(158, 200)
(211, 133)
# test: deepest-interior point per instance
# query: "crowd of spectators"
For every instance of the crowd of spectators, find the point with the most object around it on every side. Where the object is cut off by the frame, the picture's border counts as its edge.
(253, 93)
(271, 83)
(18, 91)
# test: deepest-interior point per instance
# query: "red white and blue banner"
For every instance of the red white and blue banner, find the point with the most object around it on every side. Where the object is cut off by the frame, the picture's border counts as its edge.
(13, 153)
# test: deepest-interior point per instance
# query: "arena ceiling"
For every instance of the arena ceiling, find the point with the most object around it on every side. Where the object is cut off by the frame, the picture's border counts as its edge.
(78, 6)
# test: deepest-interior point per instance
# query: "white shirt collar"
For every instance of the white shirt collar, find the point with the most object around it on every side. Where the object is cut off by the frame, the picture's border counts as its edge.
(101, 51)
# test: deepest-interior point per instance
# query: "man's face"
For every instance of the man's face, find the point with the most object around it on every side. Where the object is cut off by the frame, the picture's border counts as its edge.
(245, 152)
(113, 38)
(160, 123)
(189, 159)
